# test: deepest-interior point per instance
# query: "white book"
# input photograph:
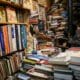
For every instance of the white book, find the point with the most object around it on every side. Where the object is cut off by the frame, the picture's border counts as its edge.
(13, 37)
(43, 68)
(63, 76)
(10, 38)
(74, 67)
(37, 74)
(20, 47)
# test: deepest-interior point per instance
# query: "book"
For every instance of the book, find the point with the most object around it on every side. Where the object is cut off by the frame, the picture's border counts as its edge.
(6, 38)
(20, 18)
(35, 73)
(2, 42)
(19, 37)
(11, 15)
(15, 1)
(23, 76)
(2, 14)
(23, 36)
(13, 32)
(0, 50)
(29, 61)
(26, 4)
(44, 68)
(62, 73)
(10, 37)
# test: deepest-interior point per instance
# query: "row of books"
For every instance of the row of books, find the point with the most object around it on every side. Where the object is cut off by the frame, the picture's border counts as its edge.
(12, 38)
(15, 1)
(10, 65)
(8, 14)
(23, 3)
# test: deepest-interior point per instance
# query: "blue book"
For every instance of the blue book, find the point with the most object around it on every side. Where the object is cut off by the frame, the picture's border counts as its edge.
(23, 76)
(37, 57)
(23, 36)
(2, 42)
(17, 37)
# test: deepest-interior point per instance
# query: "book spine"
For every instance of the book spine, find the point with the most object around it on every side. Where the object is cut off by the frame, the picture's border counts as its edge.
(23, 36)
(19, 37)
(6, 39)
(13, 37)
(2, 42)
(10, 38)
(0, 50)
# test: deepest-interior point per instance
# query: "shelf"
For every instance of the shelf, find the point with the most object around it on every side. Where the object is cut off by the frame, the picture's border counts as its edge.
(5, 56)
(3, 23)
(12, 4)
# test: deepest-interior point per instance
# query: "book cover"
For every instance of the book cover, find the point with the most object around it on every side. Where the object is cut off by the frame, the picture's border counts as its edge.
(23, 76)
(10, 38)
(23, 36)
(20, 17)
(35, 73)
(13, 32)
(6, 39)
(2, 14)
(18, 37)
(2, 42)
(11, 15)
(0, 50)
(26, 4)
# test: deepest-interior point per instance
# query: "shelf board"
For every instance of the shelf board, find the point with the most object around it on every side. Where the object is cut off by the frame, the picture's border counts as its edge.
(12, 4)
(3, 23)
(5, 56)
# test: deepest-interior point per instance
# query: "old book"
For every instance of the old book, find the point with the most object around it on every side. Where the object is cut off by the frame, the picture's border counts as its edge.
(13, 32)
(10, 37)
(6, 38)
(2, 14)
(11, 15)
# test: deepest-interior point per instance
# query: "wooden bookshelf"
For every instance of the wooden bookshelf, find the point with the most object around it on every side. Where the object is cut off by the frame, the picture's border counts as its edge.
(4, 23)
(12, 4)
(5, 56)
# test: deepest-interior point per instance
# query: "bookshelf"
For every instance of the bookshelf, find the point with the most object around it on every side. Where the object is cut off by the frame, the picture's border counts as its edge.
(12, 53)
(13, 36)
(6, 23)
(13, 4)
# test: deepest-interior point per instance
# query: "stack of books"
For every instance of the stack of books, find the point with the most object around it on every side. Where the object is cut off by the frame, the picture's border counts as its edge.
(37, 66)
(62, 73)
(75, 64)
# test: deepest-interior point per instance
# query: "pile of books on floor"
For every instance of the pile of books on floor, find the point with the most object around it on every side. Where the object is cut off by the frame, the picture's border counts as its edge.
(75, 64)
(36, 67)
(60, 67)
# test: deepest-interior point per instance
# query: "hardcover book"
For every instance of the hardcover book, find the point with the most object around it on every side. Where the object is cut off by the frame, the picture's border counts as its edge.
(11, 15)
(6, 38)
